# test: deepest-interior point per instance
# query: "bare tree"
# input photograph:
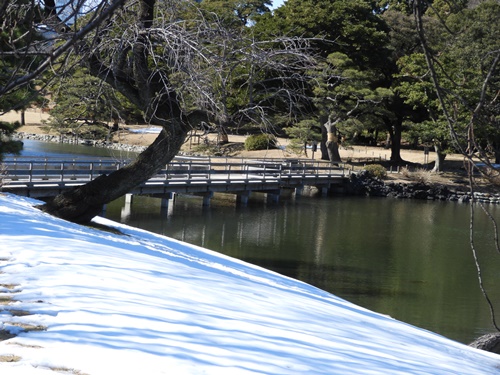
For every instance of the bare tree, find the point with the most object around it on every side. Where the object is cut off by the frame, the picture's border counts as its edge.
(466, 141)
(36, 34)
(161, 56)
(237, 79)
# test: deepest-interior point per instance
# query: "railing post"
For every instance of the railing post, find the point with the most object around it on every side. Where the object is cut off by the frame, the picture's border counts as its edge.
(265, 169)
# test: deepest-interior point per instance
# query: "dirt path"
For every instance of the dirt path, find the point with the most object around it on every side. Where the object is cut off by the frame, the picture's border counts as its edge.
(35, 118)
(356, 155)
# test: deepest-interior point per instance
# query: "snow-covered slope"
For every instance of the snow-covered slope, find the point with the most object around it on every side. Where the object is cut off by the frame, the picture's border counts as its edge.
(87, 301)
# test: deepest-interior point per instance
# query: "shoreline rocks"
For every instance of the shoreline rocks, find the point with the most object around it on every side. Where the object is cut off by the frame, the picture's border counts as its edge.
(72, 140)
(363, 183)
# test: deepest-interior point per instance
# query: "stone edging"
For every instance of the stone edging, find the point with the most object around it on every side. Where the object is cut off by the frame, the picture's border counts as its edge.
(360, 183)
(72, 140)
(363, 184)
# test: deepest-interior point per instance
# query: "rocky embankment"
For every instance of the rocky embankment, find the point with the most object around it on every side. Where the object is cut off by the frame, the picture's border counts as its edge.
(363, 183)
(72, 140)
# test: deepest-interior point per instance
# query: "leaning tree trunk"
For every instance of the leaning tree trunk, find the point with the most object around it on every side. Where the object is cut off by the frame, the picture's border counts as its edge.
(146, 86)
(84, 202)
(489, 342)
(332, 141)
(332, 146)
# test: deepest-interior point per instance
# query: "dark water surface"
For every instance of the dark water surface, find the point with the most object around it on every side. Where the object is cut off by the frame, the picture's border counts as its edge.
(407, 259)
(37, 149)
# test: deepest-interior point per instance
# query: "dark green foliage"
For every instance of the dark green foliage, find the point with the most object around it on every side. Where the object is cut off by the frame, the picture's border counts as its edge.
(236, 12)
(463, 50)
(15, 37)
(86, 106)
(260, 142)
(8, 146)
(351, 92)
(303, 133)
(348, 26)
(351, 82)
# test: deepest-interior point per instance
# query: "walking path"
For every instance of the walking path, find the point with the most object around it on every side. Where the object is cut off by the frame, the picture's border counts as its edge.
(35, 118)
(135, 135)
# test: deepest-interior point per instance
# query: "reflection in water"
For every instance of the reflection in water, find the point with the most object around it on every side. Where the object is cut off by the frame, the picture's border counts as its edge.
(407, 259)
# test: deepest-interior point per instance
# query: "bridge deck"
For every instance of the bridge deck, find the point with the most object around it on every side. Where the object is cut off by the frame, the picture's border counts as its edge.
(47, 178)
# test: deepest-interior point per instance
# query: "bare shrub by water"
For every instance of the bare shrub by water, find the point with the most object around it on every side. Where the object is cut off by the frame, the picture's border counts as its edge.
(420, 175)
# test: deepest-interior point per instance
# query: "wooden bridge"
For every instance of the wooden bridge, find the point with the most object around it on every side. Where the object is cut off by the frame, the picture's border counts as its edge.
(197, 176)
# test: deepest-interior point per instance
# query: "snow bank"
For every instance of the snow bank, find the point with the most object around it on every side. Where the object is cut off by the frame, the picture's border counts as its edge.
(88, 301)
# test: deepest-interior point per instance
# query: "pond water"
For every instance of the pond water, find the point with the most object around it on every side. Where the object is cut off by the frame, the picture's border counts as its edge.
(408, 259)
(37, 149)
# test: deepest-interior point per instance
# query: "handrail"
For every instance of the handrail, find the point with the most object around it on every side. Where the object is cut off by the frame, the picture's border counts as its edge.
(179, 170)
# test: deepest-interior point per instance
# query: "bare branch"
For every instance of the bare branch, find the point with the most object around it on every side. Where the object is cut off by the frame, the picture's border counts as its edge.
(49, 50)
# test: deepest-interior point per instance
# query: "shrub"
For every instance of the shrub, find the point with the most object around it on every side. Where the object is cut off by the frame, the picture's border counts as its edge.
(259, 142)
(405, 172)
(491, 174)
(420, 175)
(423, 176)
(376, 170)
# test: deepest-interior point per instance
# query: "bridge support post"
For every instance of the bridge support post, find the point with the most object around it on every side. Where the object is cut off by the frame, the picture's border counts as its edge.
(129, 198)
(125, 212)
(206, 198)
(164, 203)
(298, 191)
(127, 207)
(242, 198)
(273, 197)
(167, 204)
(165, 200)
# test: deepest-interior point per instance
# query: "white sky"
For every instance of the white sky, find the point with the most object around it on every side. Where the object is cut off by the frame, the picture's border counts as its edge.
(277, 3)
(141, 303)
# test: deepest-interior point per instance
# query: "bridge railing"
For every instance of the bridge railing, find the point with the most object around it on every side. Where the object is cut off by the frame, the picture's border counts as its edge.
(187, 170)
(218, 168)
(34, 170)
